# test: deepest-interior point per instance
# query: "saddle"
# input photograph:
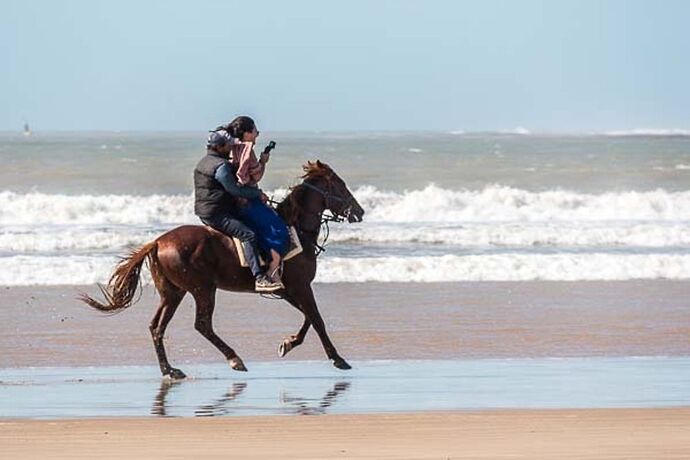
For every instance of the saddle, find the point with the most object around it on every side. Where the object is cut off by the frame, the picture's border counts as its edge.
(295, 248)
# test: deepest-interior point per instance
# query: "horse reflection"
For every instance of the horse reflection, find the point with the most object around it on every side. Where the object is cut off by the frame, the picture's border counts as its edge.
(158, 407)
(218, 407)
(224, 405)
(306, 407)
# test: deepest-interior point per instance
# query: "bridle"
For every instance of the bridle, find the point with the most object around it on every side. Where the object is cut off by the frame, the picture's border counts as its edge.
(325, 219)
(328, 196)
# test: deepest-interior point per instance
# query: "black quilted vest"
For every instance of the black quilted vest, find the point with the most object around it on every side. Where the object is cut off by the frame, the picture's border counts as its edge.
(210, 198)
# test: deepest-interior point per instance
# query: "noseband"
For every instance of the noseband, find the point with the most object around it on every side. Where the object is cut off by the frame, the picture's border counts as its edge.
(328, 196)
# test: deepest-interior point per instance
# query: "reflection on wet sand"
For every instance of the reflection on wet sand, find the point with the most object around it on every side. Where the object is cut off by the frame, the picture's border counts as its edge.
(158, 407)
(375, 386)
(224, 404)
(307, 407)
(219, 406)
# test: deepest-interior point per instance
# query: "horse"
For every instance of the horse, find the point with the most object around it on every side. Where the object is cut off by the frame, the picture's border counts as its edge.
(199, 260)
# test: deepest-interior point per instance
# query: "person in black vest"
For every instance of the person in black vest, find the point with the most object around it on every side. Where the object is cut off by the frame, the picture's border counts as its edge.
(215, 193)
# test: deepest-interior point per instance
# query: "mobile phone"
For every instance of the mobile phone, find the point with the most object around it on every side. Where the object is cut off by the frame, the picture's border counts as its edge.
(271, 145)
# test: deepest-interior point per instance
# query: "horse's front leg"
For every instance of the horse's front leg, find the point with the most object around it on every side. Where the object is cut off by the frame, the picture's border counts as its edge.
(304, 297)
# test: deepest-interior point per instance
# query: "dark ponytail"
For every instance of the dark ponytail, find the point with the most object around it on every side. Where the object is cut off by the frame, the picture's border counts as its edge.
(239, 126)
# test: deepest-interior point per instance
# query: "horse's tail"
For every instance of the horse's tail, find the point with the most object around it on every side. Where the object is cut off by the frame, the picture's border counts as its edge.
(123, 286)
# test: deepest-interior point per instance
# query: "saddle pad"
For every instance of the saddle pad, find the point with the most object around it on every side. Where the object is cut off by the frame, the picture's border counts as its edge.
(295, 248)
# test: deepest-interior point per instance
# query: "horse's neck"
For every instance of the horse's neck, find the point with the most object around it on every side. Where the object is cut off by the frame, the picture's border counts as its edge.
(307, 223)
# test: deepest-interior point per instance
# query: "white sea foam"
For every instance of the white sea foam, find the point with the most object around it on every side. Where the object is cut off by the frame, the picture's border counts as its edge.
(68, 270)
(506, 204)
(649, 132)
(41, 208)
(430, 204)
(518, 130)
(682, 167)
(24, 240)
(76, 270)
(506, 267)
(518, 234)
(45, 239)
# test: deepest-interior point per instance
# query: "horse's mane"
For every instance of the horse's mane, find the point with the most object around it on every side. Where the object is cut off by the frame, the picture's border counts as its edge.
(315, 169)
(289, 208)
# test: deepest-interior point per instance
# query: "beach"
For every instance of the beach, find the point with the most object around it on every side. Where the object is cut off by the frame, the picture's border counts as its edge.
(574, 434)
(472, 321)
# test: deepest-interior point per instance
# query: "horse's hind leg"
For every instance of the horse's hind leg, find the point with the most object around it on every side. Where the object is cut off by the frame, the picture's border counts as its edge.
(205, 304)
(294, 340)
(171, 297)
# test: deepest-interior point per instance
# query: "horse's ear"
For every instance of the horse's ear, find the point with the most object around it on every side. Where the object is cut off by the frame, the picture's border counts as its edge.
(323, 166)
(308, 167)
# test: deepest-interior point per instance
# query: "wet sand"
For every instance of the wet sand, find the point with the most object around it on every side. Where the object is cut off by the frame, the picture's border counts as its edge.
(575, 434)
(46, 326)
(317, 388)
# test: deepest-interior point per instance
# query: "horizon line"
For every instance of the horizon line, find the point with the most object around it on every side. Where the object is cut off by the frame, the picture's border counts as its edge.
(519, 131)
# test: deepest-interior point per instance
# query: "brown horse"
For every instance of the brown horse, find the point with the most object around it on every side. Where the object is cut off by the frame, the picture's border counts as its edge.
(199, 260)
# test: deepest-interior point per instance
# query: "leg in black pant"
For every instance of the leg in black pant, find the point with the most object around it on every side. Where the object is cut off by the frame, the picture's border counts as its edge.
(230, 226)
(227, 224)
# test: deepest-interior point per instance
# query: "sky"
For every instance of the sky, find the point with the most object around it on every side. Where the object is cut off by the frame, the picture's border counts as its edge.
(550, 66)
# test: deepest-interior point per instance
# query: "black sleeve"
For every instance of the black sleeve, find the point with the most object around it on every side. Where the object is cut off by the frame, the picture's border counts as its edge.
(227, 179)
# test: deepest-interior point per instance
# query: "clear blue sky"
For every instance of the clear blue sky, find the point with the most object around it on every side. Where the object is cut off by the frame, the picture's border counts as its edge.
(350, 65)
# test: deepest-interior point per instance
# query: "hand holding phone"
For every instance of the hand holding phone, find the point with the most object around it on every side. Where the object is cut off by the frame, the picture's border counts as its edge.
(266, 154)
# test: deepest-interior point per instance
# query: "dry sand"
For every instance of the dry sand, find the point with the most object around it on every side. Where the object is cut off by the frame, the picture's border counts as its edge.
(578, 434)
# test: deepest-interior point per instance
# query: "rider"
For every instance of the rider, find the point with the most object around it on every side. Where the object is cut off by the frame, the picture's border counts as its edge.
(272, 234)
(215, 202)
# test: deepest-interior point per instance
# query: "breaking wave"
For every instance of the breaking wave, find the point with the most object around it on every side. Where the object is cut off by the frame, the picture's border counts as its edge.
(82, 270)
(506, 204)
(430, 204)
(74, 239)
(649, 132)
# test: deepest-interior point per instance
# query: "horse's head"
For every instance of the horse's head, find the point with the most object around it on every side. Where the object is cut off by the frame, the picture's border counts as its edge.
(331, 192)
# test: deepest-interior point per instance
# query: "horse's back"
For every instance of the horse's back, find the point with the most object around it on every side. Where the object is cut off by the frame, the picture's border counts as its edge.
(197, 253)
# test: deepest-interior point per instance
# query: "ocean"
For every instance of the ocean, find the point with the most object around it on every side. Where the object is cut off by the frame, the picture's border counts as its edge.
(440, 207)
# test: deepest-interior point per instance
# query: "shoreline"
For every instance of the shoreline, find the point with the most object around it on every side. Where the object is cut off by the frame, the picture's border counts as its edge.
(370, 387)
(533, 434)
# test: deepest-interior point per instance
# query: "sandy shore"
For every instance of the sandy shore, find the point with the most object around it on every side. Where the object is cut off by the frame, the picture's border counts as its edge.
(577, 434)
(46, 326)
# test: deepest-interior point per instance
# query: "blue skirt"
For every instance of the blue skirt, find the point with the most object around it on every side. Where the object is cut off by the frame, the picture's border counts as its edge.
(271, 231)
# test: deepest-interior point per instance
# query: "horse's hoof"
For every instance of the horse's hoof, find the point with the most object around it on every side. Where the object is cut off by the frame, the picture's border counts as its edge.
(237, 364)
(284, 348)
(175, 374)
(340, 363)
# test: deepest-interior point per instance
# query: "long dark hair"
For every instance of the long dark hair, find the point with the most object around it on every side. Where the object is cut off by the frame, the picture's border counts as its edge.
(240, 125)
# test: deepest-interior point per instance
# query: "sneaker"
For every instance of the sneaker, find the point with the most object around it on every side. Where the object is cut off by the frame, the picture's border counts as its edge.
(264, 284)
(275, 277)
